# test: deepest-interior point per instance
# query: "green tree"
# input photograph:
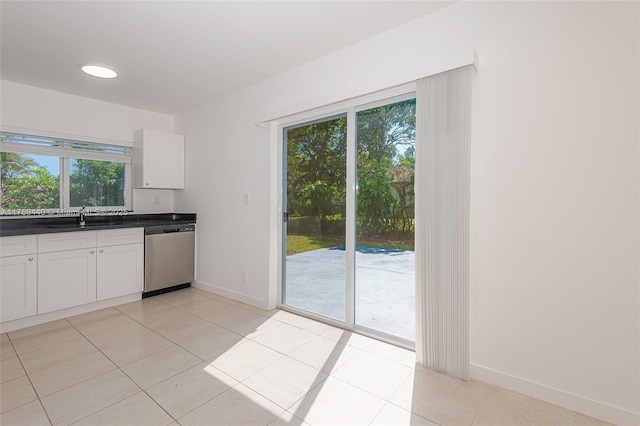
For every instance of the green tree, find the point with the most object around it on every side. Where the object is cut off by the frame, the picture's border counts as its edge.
(27, 185)
(96, 183)
(375, 196)
(316, 174)
(386, 169)
(403, 174)
(384, 129)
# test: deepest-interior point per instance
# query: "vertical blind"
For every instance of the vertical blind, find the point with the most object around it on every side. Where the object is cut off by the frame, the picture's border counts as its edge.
(443, 136)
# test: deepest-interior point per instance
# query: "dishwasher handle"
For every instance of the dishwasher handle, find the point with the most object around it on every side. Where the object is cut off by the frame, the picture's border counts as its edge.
(169, 229)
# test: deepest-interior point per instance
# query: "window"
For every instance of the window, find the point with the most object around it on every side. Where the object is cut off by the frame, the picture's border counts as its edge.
(30, 181)
(96, 183)
(49, 175)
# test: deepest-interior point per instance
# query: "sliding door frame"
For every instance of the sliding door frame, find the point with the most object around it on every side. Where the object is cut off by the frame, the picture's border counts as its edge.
(350, 108)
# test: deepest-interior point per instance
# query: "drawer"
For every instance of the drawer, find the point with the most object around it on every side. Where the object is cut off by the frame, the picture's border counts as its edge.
(18, 245)
(116, 237)
(66, 241)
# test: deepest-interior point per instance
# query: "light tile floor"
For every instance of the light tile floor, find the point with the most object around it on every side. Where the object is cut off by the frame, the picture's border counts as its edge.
(194, 358)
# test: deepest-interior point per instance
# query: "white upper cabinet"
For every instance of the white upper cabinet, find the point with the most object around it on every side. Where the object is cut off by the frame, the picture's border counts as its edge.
(158, 160)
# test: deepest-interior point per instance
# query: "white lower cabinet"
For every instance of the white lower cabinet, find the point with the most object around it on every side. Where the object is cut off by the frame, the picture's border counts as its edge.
(18, 287)
(120, 270)
(48, 272)
(65, 279)
(18, 277)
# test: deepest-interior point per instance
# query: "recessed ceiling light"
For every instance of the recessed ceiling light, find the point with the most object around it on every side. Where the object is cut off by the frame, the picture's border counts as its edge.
(98, 71)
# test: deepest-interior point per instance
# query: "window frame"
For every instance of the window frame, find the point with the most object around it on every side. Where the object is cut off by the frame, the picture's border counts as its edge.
(66, 147)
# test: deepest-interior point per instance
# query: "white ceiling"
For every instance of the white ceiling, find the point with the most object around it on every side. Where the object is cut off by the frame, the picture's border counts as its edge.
(173, 55)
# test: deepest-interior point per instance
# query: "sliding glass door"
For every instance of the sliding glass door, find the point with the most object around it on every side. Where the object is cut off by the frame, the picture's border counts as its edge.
(314, 225)
(385, 225)
(348, 227)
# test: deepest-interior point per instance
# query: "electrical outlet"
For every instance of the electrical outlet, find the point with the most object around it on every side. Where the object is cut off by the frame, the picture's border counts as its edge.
(245, 278)
(156, 200)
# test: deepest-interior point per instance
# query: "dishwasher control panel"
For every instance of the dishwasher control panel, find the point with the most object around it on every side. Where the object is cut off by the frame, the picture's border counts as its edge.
(167, 229)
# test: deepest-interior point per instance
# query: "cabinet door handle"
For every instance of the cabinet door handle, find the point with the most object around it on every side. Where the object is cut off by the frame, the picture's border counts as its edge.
(31, 259)
(101, 251)
(91, 252)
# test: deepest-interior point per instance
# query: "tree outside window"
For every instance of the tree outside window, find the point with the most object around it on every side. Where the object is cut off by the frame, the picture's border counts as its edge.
(33, 182)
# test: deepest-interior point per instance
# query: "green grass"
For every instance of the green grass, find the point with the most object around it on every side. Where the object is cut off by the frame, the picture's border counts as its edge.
(303, 243)
(382, 243)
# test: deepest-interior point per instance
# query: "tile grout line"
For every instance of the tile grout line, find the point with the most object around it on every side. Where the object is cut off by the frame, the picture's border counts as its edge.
(129, 377)
(117, 368)
(123, 372)
(178, 345)
(30, 383)
(85, 380)
(294, 402)
(172, 341)
(146, 393)
(379, 411)
(369, 351)
(243, 337)
(210, 399)
(175, 344)
(209, 362)
(285, 355)
(416, 414)
(36, 334)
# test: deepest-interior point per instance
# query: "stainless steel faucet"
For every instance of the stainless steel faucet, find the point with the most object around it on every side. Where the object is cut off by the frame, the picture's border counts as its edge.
(81, 219)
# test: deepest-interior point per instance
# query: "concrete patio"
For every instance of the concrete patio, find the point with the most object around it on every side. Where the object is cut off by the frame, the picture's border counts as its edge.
(385, 299)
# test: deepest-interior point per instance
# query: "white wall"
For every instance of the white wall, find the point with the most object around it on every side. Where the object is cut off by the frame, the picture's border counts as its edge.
(227, 156)
(33, 108)
(555, 228)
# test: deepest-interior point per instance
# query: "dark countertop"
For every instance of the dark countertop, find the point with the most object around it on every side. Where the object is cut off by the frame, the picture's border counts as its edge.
(26, 225)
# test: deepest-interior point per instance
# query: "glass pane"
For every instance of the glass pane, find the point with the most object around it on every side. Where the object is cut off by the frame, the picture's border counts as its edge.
(29, 181)
(315, 269)
(385, 226)
(95, 183)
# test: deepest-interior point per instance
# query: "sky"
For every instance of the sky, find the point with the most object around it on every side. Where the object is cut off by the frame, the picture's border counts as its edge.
(51, 163)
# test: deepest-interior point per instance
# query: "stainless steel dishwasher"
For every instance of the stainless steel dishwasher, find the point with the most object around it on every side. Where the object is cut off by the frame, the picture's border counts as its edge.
(169, 253)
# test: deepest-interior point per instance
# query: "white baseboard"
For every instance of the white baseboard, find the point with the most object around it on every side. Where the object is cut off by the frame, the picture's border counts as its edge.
(69, 312)
(557, 397)
(240, 297)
